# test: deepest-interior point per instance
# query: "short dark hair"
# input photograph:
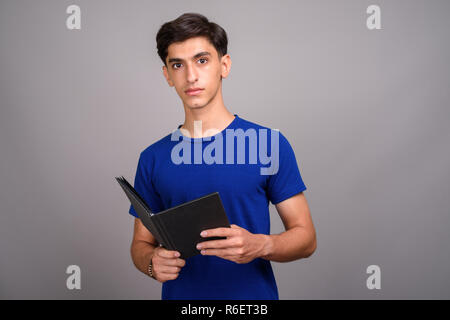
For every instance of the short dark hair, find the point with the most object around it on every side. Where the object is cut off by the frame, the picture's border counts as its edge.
(190, 25)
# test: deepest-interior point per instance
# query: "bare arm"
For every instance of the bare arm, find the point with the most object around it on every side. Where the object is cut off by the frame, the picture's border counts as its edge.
(299, 239)
(142, 246)
(242, 246)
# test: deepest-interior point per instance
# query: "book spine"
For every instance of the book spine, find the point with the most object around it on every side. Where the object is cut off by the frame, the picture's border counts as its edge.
(165, 234)
(156, 231)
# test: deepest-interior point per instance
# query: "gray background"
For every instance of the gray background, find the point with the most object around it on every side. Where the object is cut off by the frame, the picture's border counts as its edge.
(367, 113)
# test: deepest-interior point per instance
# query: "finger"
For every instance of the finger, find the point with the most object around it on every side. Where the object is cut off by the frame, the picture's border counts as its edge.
(231, 258)
(166, 269)
(218, 232)
(174, 262)
(168, 276)
(219, 252)
(170, 262)
(164, 253)
(218, 244)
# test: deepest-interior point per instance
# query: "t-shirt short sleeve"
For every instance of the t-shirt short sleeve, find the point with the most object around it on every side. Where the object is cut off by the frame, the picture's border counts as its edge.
(287, 181)
(144, 186)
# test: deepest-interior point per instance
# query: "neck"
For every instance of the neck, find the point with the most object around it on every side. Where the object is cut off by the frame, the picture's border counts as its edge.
(214, 118)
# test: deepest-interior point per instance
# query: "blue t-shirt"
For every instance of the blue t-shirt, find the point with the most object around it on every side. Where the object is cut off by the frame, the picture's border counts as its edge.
(247, 175)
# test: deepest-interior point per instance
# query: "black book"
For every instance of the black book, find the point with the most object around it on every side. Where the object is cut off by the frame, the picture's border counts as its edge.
(178, 228)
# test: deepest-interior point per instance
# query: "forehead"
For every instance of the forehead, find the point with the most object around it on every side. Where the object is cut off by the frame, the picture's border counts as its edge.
(187, 49)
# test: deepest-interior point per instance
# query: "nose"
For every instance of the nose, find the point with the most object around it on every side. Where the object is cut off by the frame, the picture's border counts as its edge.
(191, 73)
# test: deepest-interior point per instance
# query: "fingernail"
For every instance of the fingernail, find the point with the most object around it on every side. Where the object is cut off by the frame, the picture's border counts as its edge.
(177, 254)
(199, 246)
(203, 233)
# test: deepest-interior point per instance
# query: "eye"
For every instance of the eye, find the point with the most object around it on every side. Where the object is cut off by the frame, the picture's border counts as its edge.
(174, 66)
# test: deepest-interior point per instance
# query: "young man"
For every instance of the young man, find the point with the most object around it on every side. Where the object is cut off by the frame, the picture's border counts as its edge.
(194, 52)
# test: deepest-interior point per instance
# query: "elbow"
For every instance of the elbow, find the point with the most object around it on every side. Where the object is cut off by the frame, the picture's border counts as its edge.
(132, 251)
(311, 248)
(135, 252)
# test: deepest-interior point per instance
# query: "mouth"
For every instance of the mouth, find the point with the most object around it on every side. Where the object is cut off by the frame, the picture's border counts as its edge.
(193, 91)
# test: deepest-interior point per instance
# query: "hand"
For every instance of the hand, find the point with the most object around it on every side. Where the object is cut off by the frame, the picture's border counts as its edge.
(166, 264)
(241, 246)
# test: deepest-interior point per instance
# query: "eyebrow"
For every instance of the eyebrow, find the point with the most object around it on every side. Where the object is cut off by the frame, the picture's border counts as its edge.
(200, 54)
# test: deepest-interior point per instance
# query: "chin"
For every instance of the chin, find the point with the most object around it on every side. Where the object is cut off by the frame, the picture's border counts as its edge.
(196, 105)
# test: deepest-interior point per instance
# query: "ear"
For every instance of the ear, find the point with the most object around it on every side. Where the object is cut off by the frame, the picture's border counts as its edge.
(166, 75)
(226, 65)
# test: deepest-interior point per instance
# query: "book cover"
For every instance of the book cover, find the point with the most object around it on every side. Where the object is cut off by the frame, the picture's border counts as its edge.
(178, 228)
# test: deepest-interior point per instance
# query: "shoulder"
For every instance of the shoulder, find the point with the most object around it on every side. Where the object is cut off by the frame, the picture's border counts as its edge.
(149, 152)
(247, 124)
(272, 132)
